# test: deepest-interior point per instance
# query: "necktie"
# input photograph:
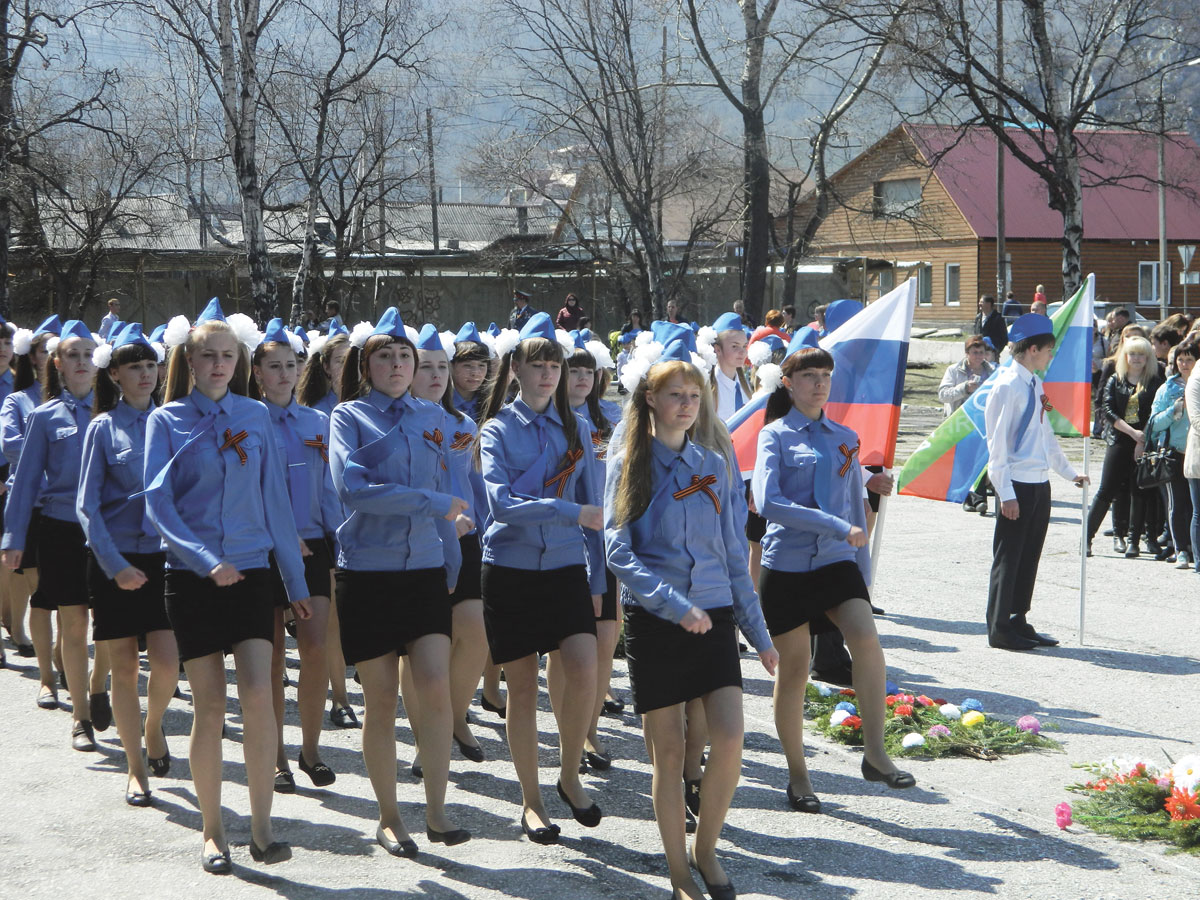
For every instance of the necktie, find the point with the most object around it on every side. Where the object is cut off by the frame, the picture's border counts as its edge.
(737, 393)
(297, 482)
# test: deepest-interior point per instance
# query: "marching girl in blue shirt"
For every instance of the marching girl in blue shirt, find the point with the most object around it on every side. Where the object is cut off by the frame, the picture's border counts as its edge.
(48, 475)
(126, 565)
(584, 392)
(468, 647)
(29, 349)
(317, 389)
(675, 538)
(542, 560)
(469, 368)
(807, 484)
(398, 559)
(12, 615)
(216, 494)
(302, 441)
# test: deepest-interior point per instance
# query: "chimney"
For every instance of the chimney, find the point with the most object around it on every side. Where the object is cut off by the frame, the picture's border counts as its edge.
(522, 220)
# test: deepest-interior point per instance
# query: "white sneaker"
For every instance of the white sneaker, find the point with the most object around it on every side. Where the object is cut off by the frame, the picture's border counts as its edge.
(1182, 561)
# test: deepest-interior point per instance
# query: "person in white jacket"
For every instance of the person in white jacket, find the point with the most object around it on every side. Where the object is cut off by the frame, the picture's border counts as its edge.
(962, 378)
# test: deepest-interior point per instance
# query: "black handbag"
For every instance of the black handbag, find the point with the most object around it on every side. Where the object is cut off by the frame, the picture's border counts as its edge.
(1158, 465)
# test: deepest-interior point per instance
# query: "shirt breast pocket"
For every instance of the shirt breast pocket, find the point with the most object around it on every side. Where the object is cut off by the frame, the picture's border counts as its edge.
(64, 433)
(125, 467)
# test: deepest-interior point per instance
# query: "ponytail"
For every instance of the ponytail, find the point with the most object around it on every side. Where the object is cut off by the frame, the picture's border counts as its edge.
(51, 381)
(314, 383)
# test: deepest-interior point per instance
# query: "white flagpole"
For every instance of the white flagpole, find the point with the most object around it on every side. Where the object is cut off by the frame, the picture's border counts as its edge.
(1083, 541)
(877, 533)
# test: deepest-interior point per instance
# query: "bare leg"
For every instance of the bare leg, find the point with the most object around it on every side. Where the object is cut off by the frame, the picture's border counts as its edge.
(607, 633)
(577, 655)
(381, 689)
(311, 638)
(206, 677)
(521, 727)
(278, 699)
(260, 734)
(74, 621)
(336, 659)
(468, 655)
(127, 711)
(790, 681)
(857, 625)
(43, 645)
(663, 729)
(723, 711)
(163, 654)
(16, 591)
(429, 661)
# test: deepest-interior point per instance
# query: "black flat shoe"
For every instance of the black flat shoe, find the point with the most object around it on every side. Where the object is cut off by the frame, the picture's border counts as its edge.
(285, 782)
(896, 780)
(100, 710)
(274, 852)
(417, 771)
(691, 795)
(724, 891)
(406, 848)
(161, 765)
(26, 651)
(589, 817)
(321, 774)
(449, 838)
(1027, 631)
(216, 863)
(601, 762)
(343, 717)
(47, 699)
(614, 707)
(83, 738)
(689, 821)
(491, 707)
(139, 798)
(474, 754)
(547, 834)
(806, 803)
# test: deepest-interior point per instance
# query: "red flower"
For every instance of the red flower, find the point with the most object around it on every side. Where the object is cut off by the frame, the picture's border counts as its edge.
(939, 701)
(847, 692)
(890, 699)
(1183, 805)
(903, 709)
(852, 722)
(924, 701)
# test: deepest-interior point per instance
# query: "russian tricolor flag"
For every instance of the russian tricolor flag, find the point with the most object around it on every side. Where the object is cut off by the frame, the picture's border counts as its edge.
(870, 353)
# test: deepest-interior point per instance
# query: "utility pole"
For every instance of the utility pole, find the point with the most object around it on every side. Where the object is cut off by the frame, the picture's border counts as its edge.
(1164, 281)
(433, 197)
(1001, 249)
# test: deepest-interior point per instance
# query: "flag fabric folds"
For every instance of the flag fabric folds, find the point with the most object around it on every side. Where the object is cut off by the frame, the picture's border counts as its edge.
(949, 462)
(870, 352)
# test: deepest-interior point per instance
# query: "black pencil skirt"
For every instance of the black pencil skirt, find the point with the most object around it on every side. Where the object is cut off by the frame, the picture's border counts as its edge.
(382, 612)
(529, 612)
(118, 613)
(62, 579)
(792, 599)
(469, 572)
(670, 665)
(209, 619)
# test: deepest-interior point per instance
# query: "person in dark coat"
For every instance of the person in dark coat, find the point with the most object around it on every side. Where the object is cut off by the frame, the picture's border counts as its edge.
(990, 323)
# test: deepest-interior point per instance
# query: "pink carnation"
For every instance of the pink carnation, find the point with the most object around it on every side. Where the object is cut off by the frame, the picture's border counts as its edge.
(1029, 723)
(939, 731)
(1062, 815)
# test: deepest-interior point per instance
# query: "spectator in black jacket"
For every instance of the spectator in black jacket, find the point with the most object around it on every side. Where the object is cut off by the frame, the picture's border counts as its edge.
(990, 323)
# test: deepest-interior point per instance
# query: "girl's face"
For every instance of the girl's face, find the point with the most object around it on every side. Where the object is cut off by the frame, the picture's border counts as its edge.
(676, 404)
(810, 389)
(37, 356)
(334, 363)
(390, 369)
(137, 380)
(580, 381)
(1184, 363)
(1135, 360)
(731, 349)
(73, 358)
(469, 376)
(538, 380)
(213, 361)
(277, 373)
(6, 349)
(432, 375)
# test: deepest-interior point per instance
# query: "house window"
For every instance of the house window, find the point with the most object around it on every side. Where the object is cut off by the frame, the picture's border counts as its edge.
(887, 281)
(897, 199)
(1148, 283)
(952, 281)
(925, 285)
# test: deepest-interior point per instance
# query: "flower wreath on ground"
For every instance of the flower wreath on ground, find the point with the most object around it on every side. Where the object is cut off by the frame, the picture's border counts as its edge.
(1134, 799)
(925, 727)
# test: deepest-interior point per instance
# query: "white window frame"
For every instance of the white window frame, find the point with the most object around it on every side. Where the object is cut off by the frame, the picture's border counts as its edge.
(957, 267)
(1151, 266)
(925, 284)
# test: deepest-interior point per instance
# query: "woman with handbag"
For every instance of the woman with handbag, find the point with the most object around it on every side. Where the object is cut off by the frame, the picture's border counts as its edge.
(1124, 412)
(1169, 429)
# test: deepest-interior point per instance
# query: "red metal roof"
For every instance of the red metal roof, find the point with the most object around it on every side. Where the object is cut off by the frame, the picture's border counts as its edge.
(1119, 170)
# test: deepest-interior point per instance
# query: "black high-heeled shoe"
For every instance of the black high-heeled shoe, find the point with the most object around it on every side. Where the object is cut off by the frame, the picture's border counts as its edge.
(547, 834)
(474, 754)
(449, 838)
(896, 780)
(589, 817)
(807, 803)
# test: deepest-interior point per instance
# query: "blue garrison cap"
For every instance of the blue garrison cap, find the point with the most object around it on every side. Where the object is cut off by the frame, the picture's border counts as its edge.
(1030, 325)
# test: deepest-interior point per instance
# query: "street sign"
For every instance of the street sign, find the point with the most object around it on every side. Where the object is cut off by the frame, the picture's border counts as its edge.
(1185, 253)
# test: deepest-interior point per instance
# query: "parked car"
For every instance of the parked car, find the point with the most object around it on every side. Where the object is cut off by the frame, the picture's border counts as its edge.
(1102, 308)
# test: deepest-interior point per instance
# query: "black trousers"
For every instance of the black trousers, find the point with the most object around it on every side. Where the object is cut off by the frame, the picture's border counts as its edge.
(1117, 486)
(1016, 552)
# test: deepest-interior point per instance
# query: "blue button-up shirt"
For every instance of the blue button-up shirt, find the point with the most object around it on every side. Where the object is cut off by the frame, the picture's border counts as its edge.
(466, 479)
(315, 505)
(14, 413)
(327, 403)
(212, 506)
(808, 485)
(392, 475)
(682, 552)
(114, 519)
(469, 408)
(54, 449)
(532, 524)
